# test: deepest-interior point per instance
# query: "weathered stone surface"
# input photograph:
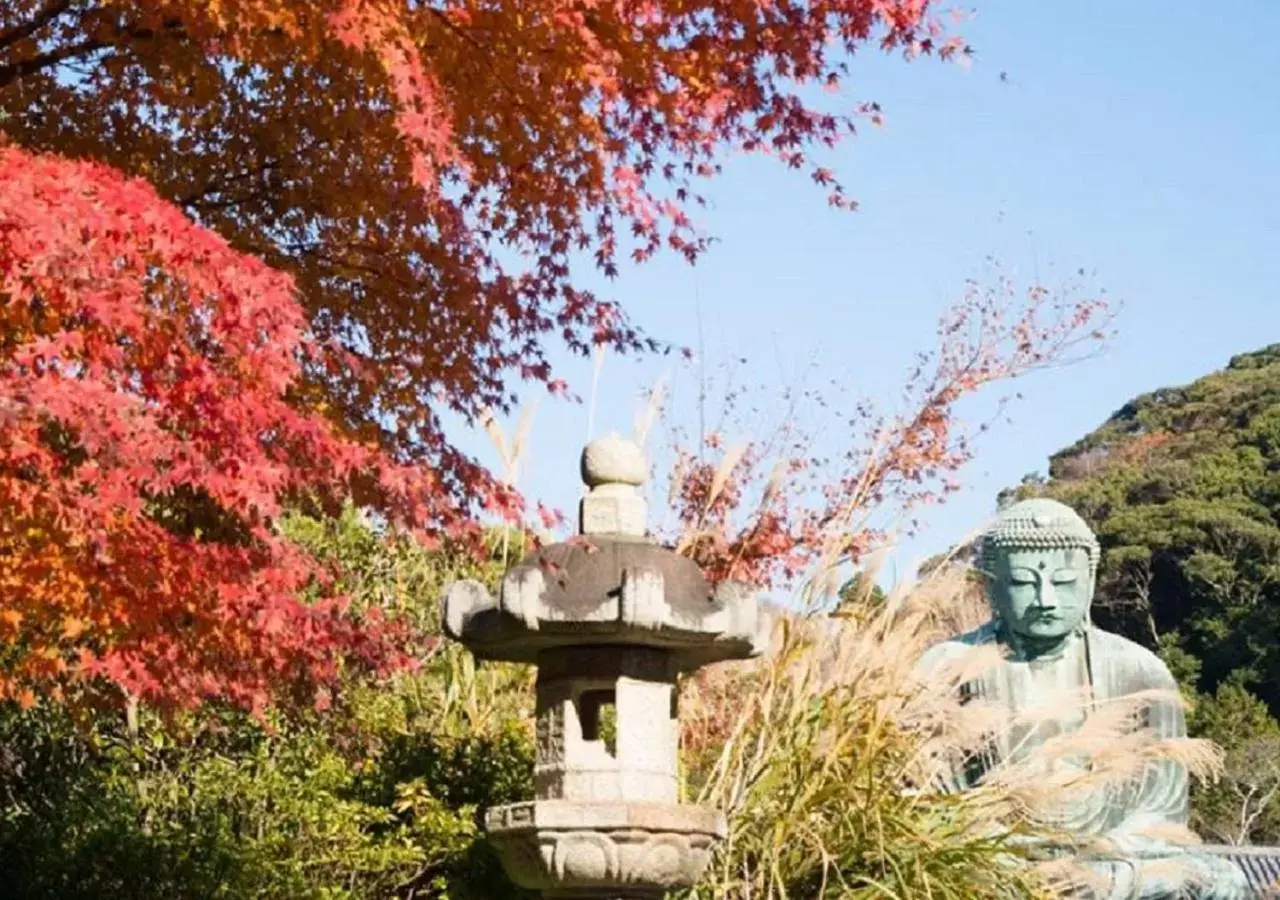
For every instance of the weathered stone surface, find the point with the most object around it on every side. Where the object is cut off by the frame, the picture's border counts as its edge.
(611, 620)
(607, 591)
(613, 460)
(613, 468)
(644, 848)
(639, 684)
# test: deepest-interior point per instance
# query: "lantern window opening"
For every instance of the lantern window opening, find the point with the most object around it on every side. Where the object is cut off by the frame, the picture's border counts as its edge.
(598, 717)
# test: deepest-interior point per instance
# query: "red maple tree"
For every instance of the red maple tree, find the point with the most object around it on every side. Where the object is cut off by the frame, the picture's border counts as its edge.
(780, 505)
(356, 214)
(433, 174)
(149, 438)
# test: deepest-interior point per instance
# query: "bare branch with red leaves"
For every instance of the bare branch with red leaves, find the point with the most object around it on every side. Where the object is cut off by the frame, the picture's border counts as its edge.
(769, 510)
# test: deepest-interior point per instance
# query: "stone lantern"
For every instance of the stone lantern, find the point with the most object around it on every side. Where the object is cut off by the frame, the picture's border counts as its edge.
(611, 620)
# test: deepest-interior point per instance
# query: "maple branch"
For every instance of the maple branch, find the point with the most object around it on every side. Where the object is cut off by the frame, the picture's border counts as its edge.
(34, 64)
(43, 17)
(30, 66)
(485, 55)
(219, 185)
(453, 26)
(339, 263)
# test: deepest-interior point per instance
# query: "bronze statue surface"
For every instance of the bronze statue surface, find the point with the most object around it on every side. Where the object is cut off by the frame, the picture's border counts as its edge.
(1040, 562)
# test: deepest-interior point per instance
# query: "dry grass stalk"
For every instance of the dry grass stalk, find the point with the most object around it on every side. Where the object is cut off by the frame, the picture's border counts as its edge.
(648, 414)
(720, 479)
(597, 366)
(512, 454)
(826, 754)
(728, 463)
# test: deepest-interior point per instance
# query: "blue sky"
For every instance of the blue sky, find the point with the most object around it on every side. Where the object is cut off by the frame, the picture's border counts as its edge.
(1137, 140)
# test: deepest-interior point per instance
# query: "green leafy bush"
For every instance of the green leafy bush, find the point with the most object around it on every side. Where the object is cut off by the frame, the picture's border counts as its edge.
(378, 796)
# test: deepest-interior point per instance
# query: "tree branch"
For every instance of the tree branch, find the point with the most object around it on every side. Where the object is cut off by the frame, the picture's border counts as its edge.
(30, 66)
(21, 32)
(221, 185)
(1259, 808)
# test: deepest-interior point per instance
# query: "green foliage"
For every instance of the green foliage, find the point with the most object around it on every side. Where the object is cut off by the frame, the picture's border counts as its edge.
(861, 590)
(394, 572)
(1240, 806)
(378, 796)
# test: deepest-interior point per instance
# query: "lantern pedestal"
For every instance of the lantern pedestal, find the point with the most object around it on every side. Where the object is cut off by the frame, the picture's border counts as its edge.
(582, 849)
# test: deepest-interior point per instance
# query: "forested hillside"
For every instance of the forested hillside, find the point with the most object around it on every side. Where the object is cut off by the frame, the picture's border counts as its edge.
(1183, 488)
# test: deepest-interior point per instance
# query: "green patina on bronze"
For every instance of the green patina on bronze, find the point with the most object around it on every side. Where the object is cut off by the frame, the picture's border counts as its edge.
(1040, 560)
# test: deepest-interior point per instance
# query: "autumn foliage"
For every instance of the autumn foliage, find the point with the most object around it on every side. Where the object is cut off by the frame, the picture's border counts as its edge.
(149, 439)
(352, 215)
(771, 506)
(430, 172)
(251, 253)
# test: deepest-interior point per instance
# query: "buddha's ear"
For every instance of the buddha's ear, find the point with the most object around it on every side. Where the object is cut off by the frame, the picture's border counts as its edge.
(988, 581)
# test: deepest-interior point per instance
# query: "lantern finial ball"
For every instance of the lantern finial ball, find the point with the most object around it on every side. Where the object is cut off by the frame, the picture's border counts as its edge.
(614, 460)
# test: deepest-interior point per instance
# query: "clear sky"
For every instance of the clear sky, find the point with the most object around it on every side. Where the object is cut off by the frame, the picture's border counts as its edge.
(1139, 140)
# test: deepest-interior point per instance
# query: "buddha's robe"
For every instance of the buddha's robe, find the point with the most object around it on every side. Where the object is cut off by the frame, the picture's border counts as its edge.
(1096, 668)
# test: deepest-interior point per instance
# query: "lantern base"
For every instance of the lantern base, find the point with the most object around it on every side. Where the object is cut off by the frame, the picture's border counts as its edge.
(620, 851)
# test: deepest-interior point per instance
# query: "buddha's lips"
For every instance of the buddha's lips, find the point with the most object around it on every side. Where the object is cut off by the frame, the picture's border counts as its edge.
(1045, 619)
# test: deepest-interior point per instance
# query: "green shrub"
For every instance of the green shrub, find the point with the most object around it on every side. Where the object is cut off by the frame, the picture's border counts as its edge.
(379, 796)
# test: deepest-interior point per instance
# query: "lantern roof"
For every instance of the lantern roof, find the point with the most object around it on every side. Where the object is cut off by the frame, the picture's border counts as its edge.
(610, 584)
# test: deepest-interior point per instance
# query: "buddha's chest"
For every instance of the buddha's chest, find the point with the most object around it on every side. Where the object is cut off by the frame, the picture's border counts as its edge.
(1040, 702)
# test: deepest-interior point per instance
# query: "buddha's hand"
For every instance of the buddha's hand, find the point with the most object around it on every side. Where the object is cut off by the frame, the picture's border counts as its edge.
(1145, 836)
(1040, 848)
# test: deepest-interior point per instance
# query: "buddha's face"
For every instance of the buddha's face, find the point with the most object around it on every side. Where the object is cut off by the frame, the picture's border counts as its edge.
(1041, 594)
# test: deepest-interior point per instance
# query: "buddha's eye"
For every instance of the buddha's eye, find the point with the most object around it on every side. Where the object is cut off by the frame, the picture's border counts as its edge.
(1021, 578)
(1066, 576)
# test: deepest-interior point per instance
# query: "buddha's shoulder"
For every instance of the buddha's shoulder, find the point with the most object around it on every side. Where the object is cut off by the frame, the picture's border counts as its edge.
(1120, 646)
(958, 645)
(1114, 651)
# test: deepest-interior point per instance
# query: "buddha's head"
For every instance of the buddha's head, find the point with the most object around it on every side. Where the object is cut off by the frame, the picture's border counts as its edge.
(1040, 560)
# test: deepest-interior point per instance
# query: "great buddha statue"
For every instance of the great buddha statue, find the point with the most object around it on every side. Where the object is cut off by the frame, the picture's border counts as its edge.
(1040, 562)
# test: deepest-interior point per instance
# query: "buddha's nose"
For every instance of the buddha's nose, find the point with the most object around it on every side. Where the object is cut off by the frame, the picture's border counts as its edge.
(1045, 597)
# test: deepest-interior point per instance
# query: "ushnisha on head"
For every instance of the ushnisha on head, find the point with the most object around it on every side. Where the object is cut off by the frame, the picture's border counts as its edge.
(1041, 561)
